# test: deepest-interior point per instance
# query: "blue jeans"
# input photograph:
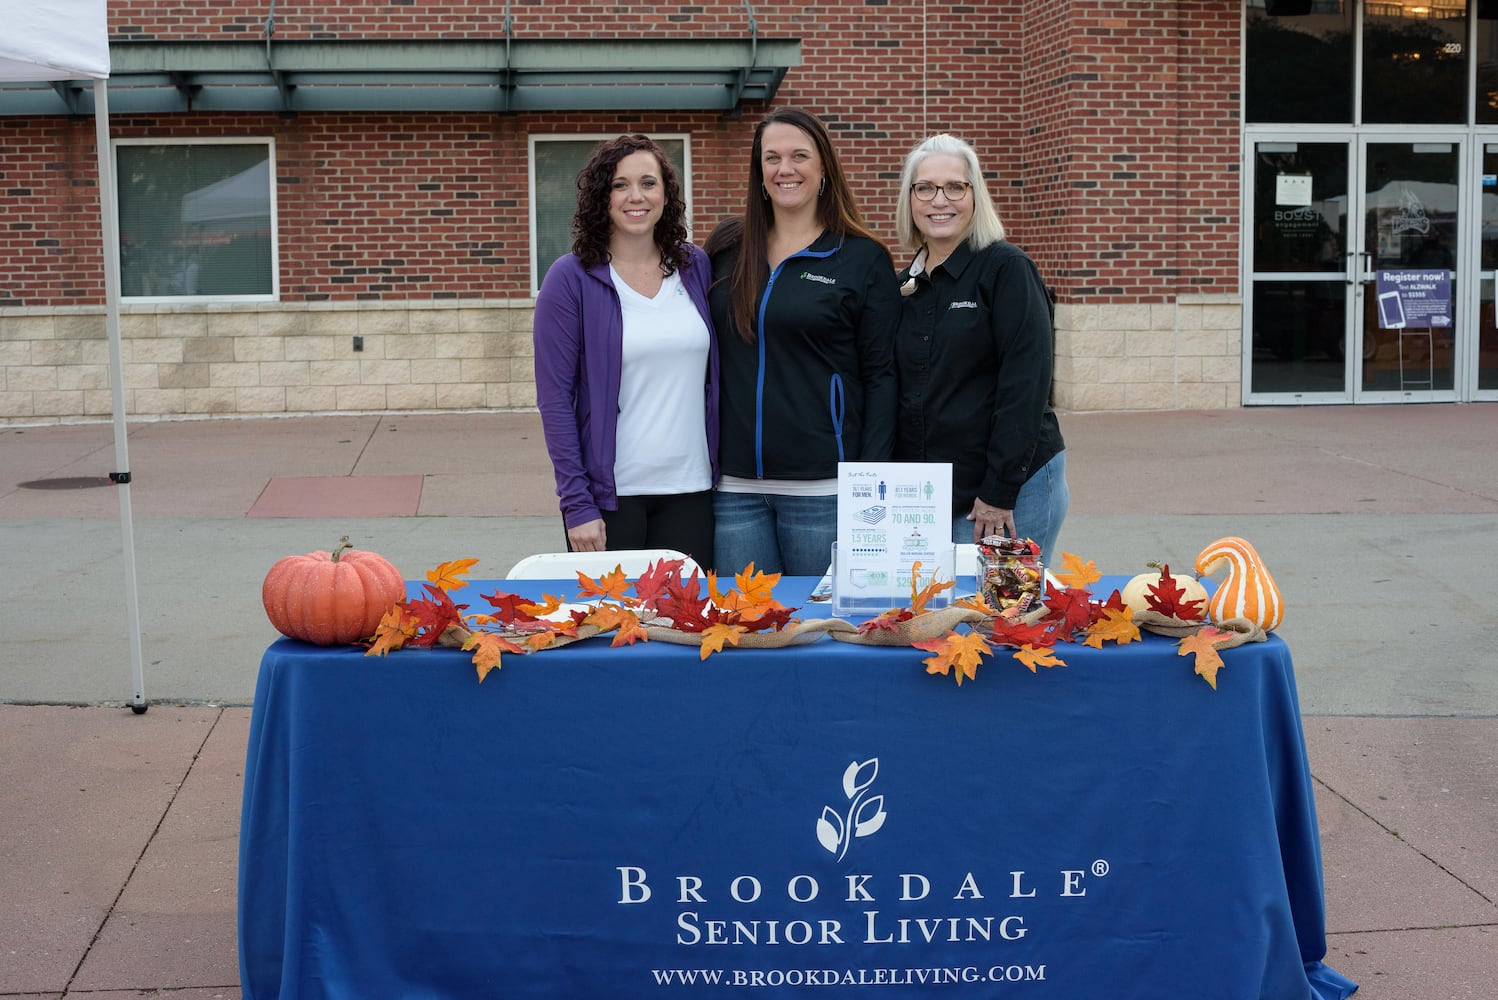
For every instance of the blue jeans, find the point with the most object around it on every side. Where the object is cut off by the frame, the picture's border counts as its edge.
(778, 533)
(1038, 512)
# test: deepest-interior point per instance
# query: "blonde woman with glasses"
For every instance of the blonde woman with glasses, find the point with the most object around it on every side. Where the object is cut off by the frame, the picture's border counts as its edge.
(973, 352)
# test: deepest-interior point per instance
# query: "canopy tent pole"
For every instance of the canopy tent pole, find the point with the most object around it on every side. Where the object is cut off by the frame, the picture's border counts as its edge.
(121, 478)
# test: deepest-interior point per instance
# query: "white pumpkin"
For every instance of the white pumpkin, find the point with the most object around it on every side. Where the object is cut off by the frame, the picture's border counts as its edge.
(1135, 593)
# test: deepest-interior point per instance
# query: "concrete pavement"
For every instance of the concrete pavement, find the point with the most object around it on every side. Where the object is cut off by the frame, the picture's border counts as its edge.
(119, 831)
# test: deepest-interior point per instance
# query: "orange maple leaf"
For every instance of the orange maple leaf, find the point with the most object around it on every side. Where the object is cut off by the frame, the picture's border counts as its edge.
(547, 606)
(1034, 656)
(620, 620)
(714, 636)
(542, 640)
(608, 585)
(959, 652)
(1114, 623)
(1076, 572)
(449, 575)
(628, 631)
(713, 593)
(975, 602)
(486, 648)
(1208, 660)
(918, 598)
(391, 634)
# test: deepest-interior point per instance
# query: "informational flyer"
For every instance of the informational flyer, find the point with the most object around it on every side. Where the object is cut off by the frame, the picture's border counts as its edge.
(890, 516)
(1414, 299)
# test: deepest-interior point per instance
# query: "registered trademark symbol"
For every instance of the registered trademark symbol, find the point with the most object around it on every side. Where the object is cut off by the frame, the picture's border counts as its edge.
(1100, 867)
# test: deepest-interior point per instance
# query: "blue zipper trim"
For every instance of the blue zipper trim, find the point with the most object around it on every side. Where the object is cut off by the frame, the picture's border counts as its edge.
(835, 403)
(759, 385)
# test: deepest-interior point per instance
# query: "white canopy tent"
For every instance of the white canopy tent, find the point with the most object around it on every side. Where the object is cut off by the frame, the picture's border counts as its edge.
(69, 40)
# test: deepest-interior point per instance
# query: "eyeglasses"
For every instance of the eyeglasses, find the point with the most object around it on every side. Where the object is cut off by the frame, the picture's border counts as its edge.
(926, 191)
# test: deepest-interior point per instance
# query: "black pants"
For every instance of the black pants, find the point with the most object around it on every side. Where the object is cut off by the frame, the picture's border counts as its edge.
(681, 521)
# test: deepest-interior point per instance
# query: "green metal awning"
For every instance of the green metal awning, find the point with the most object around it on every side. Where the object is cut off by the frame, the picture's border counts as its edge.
(499, 76)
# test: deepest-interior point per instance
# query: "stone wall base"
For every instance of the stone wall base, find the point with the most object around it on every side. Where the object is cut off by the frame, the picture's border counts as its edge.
(242, 359)
(1182, 355)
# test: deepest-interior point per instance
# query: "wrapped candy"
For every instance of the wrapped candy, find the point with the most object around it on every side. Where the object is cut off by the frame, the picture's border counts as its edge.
(1011, 577)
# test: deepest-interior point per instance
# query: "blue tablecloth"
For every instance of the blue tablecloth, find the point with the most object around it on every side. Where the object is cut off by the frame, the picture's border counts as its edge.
(825, 820)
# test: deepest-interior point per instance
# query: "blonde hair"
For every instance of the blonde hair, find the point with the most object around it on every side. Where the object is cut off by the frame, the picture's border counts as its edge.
(985, 229)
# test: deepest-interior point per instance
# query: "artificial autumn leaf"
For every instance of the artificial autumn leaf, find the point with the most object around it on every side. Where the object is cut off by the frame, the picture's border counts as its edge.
(1032, 657)
(767, 619)
(1114, 602)
(975, 602)
(1015, 633)
(1114, 623)
(624, 623)
(510, 609)
(756, 587)
(1075, 572)
(541, 640)
(919, 598)
(549, 603)
(1073, 606)
(487, 646)
(714, 636)
(889, 621)
(959, 652)
(448, 575)
(684, 604)
(628, 631)
(1168, 598)
(609, 585)
(1207, 659)
(394, 631)
(433, 616)
(652, 583)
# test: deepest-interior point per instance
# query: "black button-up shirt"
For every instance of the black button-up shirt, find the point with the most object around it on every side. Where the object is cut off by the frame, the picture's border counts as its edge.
(973, 353)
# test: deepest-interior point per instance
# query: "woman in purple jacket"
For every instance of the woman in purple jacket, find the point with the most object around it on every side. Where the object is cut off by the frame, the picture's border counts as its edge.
(626, 364)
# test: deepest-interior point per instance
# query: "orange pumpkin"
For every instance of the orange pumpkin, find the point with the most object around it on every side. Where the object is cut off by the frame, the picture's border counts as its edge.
(331, 597)
(1248, 591)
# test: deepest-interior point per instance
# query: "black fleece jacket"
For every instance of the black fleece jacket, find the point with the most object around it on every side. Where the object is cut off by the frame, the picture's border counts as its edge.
(817, 386)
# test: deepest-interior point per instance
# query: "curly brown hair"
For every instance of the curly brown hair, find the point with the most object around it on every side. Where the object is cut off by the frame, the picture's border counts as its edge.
(590, 224)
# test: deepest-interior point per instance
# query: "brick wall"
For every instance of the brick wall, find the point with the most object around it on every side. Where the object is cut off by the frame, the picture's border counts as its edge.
(1109, 129)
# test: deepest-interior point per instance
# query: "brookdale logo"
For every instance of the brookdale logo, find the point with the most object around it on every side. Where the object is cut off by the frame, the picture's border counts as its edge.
(865, 813)
(963, 304)
(808, 276)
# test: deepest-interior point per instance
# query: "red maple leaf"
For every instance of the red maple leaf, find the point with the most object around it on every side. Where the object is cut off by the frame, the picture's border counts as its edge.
(433, 616)
(1017, 634)
(768, 620)
(684, 603)
(887, 622)
(1168, 598)
(657, 576)
(508, 607)
(1072, 606)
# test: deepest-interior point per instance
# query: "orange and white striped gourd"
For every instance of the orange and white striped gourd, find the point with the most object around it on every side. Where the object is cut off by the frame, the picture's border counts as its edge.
(1248, 591)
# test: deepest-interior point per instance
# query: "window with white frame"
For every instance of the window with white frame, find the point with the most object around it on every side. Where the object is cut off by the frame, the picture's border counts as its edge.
(197, 218)
(555, 162)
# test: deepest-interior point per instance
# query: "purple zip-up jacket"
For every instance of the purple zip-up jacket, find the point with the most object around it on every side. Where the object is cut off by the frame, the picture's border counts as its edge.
(579, 341)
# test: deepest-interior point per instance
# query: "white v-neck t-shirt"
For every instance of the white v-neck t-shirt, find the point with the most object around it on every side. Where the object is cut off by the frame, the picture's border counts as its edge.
(661, 439)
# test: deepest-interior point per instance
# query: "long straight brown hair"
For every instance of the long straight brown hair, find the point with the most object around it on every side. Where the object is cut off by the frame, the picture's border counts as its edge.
(837, 211)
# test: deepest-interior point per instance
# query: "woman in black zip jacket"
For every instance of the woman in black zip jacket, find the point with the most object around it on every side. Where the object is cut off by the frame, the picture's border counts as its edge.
(974, 354)
(804, 304)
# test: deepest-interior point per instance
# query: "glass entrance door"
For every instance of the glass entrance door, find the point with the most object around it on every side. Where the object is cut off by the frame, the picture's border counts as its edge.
(1483, 358)
(1411, 307)
(1303, 271)
(1341, 226)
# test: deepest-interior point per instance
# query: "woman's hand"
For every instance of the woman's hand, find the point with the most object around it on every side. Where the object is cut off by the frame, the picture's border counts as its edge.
(991, 521)
(588, 536)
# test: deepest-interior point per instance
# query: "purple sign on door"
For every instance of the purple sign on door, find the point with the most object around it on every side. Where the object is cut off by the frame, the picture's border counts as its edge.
(1414, 298)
